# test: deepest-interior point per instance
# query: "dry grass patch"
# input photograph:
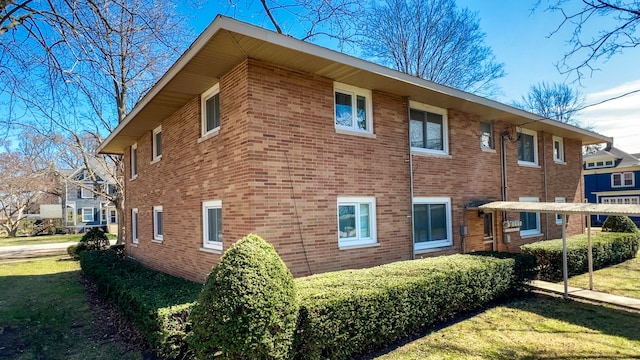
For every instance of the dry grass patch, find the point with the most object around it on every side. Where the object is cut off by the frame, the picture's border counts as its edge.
(539, 327)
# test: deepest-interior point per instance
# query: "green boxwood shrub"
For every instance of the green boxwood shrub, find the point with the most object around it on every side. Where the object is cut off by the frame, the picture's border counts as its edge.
(619, 224)
(608, 249)
(95, 239)
(75, 250)
(247, 308)
(349, 312)
(157, 303)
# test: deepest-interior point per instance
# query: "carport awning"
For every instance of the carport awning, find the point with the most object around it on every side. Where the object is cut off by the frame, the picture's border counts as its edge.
(563, 208)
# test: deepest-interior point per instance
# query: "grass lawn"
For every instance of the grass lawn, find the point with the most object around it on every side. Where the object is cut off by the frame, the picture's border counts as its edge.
(44, 314)
(621, 279)
(539, 327)
(45, 239)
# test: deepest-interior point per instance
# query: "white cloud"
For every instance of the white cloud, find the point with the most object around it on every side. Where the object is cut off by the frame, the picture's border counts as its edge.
(619, 118)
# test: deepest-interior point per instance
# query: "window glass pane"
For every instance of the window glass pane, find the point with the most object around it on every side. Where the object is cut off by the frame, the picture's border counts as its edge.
(344, 110)
(529, 221)
(347, 221)
(416, 127)
(526, 148)
(158, 143)
(434, 132)
(600, 163)
(134, 161)
(361, 107)
(486, 136)
(134, 225)
(213, 112)
(159, 223)
(438, 221)
(556, 150)
(212, 225)
(628, 178)
(617, 180)
(365, 225)
(421, 222)
(488, 225)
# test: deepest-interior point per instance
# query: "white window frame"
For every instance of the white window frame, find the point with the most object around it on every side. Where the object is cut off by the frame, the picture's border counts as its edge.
(535, 231)
(206, 205)
(154, 146)
(156, 236)
(85, 218)
(213, 91)
(84, 191)
(134, 225)
(535, 148)
(590, 164)
(420, 246)
(559, 157)
(623, 182)
(626, 200)
(354, 92)
(358, 240)
(113, 212)
(134, 161)
(560, 200)
(103, 215)
(492, 144)
(445, 127)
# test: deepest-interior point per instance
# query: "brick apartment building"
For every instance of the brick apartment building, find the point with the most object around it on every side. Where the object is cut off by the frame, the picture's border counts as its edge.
(338, 162)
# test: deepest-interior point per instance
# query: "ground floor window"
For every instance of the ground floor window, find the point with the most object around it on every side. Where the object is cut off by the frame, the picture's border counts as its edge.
(158, 223)
(530, 220)
(625, 200)
(134, 225)
(432, 223)
(113, 216)
(87, 214)
(356, 221)
(212, 224)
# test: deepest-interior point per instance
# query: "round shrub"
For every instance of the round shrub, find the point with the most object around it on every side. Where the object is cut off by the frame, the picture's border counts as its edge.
(95, 239)
(621, 224)
(247, 307)
(75, 250)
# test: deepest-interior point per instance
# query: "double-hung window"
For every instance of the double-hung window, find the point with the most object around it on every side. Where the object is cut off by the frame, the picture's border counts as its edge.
(530, 220)
(527, 147)
(558, 149)
(134, 161)
(157, 143)
(158, 223)
(212, 225)
(623, 179)
(356, 221)
(87, 215)
(134, 225)
(432, 223)
(353, 108)
(85, 193)
(210, 109)
(559, 216)
(428, 129)
(486, 135)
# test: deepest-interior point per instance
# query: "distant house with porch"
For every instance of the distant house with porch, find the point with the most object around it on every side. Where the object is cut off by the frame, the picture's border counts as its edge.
(612, 176)
(83, 208)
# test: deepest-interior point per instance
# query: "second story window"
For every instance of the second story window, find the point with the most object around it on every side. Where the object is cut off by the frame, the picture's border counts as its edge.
(353, 109)
(85, 193)
(428, 128)
(210, 108)
(624, 179)
(486, 135)
(558, 149)
(527, 147)
(157, 143)
(134, 161)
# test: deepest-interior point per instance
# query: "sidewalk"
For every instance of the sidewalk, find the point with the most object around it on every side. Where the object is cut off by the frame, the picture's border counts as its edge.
(28, 251)
(589, 295)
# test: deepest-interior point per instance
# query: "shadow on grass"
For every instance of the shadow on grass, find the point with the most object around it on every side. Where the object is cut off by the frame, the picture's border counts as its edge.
(600, 318)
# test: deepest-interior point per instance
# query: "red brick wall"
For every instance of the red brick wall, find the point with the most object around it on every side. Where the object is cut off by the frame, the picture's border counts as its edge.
(278, 166)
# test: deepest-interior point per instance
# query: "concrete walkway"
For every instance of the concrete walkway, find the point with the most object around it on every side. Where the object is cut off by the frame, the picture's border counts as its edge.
(28, 251)
(589, 295)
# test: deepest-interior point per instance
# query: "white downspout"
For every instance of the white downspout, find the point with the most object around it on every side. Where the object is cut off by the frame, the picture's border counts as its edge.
(413, 240)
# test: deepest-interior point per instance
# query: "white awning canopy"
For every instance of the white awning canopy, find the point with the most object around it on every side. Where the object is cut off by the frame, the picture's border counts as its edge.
(563, 208)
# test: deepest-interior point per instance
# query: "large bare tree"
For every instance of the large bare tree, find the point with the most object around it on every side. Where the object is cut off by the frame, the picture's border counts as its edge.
(616, 23)
(79, 68)
(433, 40)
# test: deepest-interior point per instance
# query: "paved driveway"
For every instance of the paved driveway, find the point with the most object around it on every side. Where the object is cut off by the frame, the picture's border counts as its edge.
(27, 251)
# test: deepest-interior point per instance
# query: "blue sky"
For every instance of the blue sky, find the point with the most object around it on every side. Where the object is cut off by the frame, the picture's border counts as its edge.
(520, 39)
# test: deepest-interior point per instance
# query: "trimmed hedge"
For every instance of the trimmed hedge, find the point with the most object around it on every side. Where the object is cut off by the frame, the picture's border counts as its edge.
(157, 303)
(619, 224)
(608, 249)
(350, 312)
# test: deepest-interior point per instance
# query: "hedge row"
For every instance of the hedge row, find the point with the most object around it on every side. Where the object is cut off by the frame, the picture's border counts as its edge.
(342, 314)
(157, 303)
(350, 312)
(608, 249)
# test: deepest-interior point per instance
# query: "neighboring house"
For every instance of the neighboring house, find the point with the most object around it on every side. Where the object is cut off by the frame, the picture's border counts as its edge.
(338, 162)
(611, 176)
(83, 208)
